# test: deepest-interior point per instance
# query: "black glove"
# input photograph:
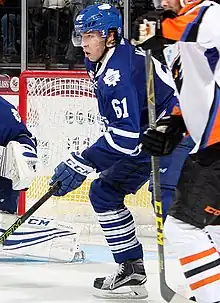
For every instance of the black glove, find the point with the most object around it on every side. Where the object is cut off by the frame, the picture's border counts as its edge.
(158, 41)
(164, 139)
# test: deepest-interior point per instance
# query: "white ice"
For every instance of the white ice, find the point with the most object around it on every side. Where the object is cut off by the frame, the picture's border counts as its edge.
(23, 282)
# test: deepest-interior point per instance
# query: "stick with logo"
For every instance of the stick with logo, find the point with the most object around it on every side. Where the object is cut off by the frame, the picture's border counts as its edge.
(28, 213)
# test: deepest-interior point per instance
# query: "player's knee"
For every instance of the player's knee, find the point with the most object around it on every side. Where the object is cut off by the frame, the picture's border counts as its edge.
(103, 196)
(177, 234)
(93, 194)
(168, 227)
(181, 233)
(176, 230)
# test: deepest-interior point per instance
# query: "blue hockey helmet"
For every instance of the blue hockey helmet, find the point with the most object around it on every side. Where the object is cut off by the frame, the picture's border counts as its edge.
(99, 17)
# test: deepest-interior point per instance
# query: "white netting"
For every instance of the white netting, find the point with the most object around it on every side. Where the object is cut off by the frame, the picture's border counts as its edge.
(62, 113)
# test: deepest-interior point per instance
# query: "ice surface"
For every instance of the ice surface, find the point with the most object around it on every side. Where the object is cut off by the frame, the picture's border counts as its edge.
(34, 282)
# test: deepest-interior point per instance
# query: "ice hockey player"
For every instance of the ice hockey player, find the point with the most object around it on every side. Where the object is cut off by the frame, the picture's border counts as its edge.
(117, 71)
(18, 156)
(194, 62)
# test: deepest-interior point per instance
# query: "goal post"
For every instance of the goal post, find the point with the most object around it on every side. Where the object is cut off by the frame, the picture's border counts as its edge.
(60, 109)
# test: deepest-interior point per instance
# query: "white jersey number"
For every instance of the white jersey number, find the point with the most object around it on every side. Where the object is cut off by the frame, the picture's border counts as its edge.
(120, 108)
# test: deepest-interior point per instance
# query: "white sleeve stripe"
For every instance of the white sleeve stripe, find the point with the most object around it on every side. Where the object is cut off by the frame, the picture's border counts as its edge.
(123, 133)
(117, 147)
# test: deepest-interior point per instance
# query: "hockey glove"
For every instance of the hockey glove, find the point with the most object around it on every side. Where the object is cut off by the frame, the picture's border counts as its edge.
(164, 139)
(71, 173)
(147, 30)
(18, 163)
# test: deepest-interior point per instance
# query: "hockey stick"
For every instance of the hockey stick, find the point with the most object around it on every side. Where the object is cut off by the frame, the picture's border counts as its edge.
(28, 213)
(166, 292)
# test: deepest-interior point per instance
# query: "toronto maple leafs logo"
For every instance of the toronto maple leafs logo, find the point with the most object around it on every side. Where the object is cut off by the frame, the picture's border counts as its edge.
(112, 77)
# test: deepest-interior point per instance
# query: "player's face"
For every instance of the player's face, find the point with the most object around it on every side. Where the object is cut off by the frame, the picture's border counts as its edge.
(173, 5)
(93, 45)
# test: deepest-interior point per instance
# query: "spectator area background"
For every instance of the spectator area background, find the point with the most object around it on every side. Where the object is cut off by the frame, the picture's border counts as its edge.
(50, 25)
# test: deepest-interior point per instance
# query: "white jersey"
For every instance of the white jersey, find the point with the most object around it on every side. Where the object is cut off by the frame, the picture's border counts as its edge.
(194, 62)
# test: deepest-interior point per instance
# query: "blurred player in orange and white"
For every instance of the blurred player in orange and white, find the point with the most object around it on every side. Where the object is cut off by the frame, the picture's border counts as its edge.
(193, 59)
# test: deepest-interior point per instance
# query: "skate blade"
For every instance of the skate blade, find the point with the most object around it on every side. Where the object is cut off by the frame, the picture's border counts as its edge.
(125, 292)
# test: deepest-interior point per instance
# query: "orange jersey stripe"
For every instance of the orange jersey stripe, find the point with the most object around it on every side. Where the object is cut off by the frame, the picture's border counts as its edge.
(174, 28)
(205, 281)
(203, 254)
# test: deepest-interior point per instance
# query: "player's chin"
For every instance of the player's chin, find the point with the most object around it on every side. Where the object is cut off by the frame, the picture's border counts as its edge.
(170, 8)
(91, 57)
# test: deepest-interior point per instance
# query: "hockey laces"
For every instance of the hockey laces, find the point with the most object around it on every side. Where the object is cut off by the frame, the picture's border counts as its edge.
(110, 279)
(121, 269)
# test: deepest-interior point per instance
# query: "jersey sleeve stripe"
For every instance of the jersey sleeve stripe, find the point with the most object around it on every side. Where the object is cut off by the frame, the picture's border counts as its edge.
(184, 23)
(115, 146)
(123, 133)
(191, 31)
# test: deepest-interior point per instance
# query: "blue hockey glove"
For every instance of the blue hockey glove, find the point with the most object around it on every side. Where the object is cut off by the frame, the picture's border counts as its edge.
(71, 173)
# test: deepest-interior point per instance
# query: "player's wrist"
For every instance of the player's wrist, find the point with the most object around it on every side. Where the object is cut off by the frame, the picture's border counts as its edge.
(147, 30)
(79, 164)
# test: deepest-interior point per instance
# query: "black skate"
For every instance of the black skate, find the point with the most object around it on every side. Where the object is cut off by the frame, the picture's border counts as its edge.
(126, 283)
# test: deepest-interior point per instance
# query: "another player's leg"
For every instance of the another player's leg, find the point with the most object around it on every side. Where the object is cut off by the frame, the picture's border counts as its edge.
(8, 203)
(195, 206)
(214, 233)
(8, 197)
(170, 169)
(107, 196)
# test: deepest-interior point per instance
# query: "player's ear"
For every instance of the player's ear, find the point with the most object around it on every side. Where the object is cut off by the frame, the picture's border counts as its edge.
(111, 39)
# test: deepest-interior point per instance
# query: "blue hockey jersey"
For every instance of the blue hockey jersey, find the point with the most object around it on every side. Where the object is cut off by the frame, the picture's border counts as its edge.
(120, 87)
(11, 126)
(12, 129)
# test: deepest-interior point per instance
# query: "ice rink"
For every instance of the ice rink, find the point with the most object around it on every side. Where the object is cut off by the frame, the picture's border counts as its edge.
(27, 282)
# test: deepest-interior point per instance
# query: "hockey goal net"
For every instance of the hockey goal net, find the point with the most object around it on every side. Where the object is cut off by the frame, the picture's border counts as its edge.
(60, 109)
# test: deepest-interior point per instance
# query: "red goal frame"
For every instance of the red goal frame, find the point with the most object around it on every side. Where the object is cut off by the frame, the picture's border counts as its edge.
(22, 107)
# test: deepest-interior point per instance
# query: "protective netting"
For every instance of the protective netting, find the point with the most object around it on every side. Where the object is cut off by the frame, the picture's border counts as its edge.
(62, 113)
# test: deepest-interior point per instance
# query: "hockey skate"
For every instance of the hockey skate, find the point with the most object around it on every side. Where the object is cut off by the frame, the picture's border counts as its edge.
(126, 283)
